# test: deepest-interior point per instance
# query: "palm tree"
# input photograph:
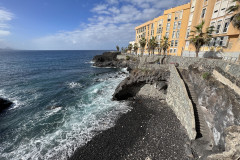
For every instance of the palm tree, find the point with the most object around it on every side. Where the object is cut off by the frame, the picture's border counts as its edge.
(135, 47)
(200, 38)
(130, 46)
(122, 49)
(235, 19)
(142, 43)
(153, 44)
(117, 47)
(165, 44)
(159, 46)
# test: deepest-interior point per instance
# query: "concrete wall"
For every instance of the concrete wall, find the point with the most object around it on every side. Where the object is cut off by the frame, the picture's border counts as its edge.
(228, 80)
(177, 98)
(206, 54)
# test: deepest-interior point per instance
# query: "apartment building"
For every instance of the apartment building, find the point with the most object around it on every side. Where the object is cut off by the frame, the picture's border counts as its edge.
(177, 23)
(172, 24)
(225, 41)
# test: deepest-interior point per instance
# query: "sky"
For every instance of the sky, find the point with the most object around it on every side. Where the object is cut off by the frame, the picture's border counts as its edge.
(75, 24)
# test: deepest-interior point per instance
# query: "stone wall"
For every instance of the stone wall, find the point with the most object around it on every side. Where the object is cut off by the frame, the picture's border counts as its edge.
(178, 99)
(184, 62)
(206, 54)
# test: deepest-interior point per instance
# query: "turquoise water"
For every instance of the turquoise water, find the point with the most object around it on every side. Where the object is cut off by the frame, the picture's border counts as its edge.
(60, 102)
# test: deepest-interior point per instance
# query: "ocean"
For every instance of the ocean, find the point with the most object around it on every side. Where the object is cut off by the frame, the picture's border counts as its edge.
(60, 102)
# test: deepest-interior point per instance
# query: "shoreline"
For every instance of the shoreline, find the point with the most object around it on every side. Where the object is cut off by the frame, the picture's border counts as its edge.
(149, 130)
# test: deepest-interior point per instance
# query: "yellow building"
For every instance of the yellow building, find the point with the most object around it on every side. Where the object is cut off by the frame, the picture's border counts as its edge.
(226, 40)
(171, 24)
(176, 23)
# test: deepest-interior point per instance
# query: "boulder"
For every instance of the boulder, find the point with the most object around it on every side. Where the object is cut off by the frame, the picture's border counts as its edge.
(4, 104)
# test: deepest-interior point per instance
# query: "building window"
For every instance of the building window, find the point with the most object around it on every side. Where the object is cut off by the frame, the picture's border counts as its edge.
(213, 26)
(188, 33)
(176, 43)
(203, 13)
(226, 24)
(187, 43)
(221, 41)
(174, 50)
(168, 26)
(176, 15)
(214, 41)
(180, 14)
(167, 34)
(159, 30)
(173, 34)
(172, 43)
(171, 50)
(218, 26)
(175, 25)
(190, 19)
(177, 35)
(179, 24)
(169, 17)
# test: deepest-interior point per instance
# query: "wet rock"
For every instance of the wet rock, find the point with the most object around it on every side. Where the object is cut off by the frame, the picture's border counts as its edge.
(4, 104)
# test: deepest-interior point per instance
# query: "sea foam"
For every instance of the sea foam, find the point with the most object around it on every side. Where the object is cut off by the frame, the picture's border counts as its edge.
(94, 112)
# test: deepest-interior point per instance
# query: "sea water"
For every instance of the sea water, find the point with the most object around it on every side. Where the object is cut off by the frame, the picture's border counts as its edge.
(60, 102)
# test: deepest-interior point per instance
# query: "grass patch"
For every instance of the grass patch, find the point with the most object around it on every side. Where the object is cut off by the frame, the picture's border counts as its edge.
(127, 58)
(206, 75)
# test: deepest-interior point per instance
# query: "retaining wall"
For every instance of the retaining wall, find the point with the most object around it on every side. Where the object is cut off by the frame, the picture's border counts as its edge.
(184, 62)
(178, 99)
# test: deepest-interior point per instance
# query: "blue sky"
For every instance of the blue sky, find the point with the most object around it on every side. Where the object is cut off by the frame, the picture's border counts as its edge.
(75, 24)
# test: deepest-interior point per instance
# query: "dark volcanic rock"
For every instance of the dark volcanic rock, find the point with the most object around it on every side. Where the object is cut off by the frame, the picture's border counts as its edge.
(4, 104)
(109, 59)
(132, 84)
(106, 59)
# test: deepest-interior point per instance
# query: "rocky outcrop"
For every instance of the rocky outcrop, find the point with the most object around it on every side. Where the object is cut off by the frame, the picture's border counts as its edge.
(109, 59)
(106, 56)
(232, 143)
(137, 79)
(4, 104)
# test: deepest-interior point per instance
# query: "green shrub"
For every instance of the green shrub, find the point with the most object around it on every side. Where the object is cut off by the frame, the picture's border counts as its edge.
(206, 75)
(127, 58)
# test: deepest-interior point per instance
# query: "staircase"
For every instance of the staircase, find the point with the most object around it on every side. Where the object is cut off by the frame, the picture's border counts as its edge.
(201, 125)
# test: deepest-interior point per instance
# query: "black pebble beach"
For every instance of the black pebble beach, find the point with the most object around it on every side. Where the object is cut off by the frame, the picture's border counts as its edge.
(150, 131)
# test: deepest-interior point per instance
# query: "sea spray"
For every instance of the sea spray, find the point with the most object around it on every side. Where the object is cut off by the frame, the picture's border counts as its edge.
(62, 104)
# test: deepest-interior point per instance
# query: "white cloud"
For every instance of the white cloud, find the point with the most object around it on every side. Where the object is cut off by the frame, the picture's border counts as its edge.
(5, 17)
(4, 33)
(100, 9)
(113, 24)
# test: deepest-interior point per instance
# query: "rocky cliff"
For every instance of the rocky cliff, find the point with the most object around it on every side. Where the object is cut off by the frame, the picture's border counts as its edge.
(217, 101)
